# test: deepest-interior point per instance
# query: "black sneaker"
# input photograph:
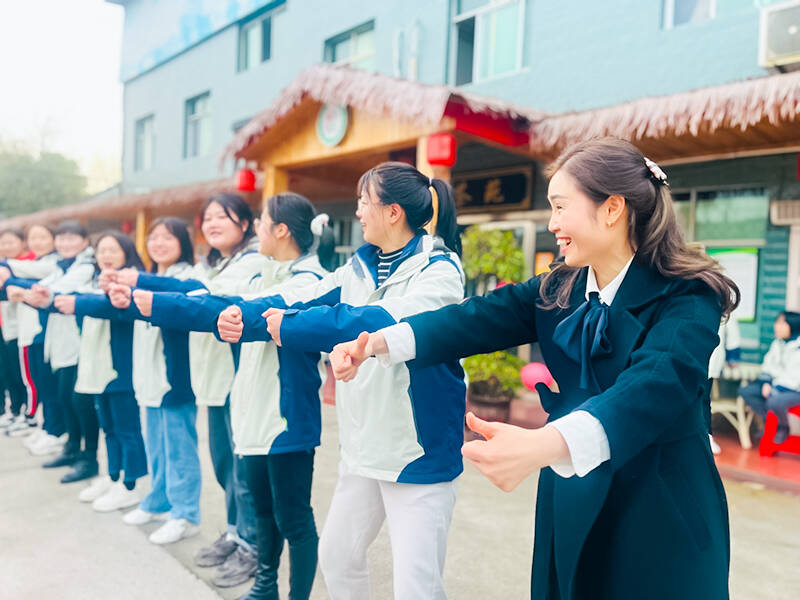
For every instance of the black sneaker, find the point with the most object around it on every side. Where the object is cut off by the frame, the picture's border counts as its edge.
(85, 468)
(65, 459)
(215, 554)
(781, 435)
(240, 566)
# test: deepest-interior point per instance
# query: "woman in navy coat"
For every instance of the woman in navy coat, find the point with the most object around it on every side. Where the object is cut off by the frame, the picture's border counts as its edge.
(630, 503)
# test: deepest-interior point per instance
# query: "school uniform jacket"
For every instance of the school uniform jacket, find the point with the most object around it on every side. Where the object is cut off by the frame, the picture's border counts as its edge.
(275, 396)
(652, 521)
(399, 423)
(212, 361)
(32, 321)
(787, 373)
(159, 365)
(62, 338)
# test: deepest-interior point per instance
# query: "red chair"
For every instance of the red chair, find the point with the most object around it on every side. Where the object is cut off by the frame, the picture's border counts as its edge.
(767, 447)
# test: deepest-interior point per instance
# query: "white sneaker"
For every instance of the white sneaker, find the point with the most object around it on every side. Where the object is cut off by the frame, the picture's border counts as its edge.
(47, 444)
(20, 427)
(715, 448)
(37, 436)
(139, 517)
(116, 498)
(173, 531)
(96, 489)
(6, 419)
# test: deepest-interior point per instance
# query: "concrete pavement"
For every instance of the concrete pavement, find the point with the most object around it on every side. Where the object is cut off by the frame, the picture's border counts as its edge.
(52, 546)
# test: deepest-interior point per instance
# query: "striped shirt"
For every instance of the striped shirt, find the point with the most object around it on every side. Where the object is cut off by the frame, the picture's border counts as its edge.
(385, 264)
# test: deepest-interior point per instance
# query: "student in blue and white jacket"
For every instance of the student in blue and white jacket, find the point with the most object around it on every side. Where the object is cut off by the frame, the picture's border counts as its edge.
(275, 400)
(105, 370)
(62, 340)
(227, 225)
(400, 429)
(32, 324)
(161, 382)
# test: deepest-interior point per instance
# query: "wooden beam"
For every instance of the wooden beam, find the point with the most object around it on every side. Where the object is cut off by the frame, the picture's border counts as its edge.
(276, 180)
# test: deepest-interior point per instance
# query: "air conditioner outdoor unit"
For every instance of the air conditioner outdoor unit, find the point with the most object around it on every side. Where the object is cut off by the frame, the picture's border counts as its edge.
(779, 38)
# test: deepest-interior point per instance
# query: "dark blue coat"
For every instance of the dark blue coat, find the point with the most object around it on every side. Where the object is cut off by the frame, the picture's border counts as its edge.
(652, 522)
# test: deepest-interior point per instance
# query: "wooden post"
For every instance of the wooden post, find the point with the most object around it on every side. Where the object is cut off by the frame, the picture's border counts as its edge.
(276, 180)
(142, 224)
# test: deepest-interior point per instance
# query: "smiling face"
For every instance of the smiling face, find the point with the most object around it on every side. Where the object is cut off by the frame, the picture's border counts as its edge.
(374, 216)
(69, 245)
(220, 231)
(781, 328)
(40, 240)
(163, 247)
(269, 233)
(576, 222)
(11, 246)
(110, 254)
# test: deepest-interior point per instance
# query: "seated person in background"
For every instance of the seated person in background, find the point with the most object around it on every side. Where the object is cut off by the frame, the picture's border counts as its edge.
(778, 387)
(727, 353)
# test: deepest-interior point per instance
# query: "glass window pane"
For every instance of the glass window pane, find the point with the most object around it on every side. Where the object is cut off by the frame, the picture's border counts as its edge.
(266, 39)
(465, 51)
(365, 43)
(253, 46)
(468, 5)
(498, 41)
(732, 215)
(691, 11)
(340, 50)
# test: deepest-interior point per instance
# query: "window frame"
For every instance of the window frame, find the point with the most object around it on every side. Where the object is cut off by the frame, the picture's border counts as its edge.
(350, 35)
(668, 15)
(262, 21)
(138, 165)
(478, 14)
(195, 118)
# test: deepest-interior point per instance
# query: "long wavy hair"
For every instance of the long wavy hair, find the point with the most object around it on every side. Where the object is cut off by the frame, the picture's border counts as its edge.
(609, 166)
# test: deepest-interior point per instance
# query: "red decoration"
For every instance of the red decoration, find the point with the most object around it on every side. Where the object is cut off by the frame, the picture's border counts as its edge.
(245, 180)
(534, 373)
(441, 150)
(126, 227)
(198, 221)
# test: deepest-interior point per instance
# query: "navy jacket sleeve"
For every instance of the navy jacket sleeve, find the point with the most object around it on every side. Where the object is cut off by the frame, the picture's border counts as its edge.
(667, 373)
(499, 320)
(160, 283)
(95, 305)
(319, 329)
(173, 310)
(21, 282)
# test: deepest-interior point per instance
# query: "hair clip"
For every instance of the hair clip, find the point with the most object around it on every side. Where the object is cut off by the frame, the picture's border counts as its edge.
(656, 172)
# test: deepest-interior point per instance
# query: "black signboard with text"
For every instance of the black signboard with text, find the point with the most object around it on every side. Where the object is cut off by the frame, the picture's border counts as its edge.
(501, 191)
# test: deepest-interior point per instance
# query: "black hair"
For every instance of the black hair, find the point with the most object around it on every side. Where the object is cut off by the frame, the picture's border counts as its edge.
(793, 320)
(400, 183)
(132, 258)
(71, 226)
(237, 210)
(297, 213)
(179, 229)
(47, 228)
(15, 231)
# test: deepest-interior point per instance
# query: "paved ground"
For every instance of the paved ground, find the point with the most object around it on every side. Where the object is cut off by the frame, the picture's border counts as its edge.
(52, 546)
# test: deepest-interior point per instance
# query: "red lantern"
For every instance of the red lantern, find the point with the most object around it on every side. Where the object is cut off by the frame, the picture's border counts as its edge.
(245, 180)
(126, 227)
(198, 221)
(441, 150)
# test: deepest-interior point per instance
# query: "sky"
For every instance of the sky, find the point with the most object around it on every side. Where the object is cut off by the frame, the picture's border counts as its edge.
(59, 81)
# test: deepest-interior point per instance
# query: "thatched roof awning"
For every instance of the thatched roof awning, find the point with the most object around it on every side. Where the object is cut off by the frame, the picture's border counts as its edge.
(126, 206)
(398, 99)
(746, 114)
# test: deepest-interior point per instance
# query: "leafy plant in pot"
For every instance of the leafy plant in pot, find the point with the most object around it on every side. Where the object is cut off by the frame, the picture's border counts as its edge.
(493, 381)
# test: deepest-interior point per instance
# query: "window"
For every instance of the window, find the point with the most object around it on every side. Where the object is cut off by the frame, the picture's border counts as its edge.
(681, 12)
(255, 42)
(355, 47)
(488, 39)
(720, 217)
(197, 126)
(144, 142)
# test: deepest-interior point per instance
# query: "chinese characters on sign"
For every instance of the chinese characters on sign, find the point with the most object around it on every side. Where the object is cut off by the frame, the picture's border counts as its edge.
(506, 191)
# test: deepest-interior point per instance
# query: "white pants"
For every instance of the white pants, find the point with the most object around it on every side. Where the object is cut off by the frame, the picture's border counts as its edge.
(418, 517)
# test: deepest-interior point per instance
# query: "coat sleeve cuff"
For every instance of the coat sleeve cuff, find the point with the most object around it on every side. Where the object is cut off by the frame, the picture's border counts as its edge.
(400, 342)
(587, 443)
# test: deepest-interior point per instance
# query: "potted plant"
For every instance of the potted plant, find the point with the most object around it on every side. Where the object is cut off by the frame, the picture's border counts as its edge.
(493, 381)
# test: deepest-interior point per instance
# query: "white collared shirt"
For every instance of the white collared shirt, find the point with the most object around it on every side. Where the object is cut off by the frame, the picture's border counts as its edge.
(584, 435)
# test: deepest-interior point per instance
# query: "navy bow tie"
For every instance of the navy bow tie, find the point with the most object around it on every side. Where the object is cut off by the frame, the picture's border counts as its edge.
(582, 336)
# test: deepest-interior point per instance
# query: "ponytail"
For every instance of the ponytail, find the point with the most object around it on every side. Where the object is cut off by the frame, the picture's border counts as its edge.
(418, 196)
